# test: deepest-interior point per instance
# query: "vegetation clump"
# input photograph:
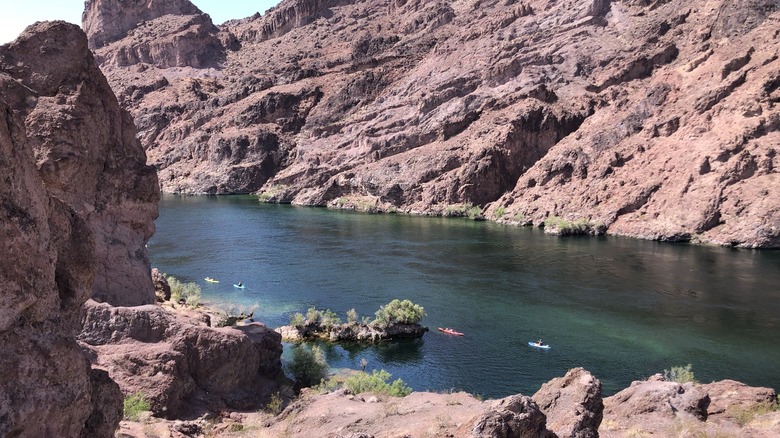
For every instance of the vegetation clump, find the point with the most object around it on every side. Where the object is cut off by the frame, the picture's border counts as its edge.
(184, 293)
(473, 212)
(680, 374)
(377, 383)
(399, 312)
(562, 227)
(308, 365)
(134, 405)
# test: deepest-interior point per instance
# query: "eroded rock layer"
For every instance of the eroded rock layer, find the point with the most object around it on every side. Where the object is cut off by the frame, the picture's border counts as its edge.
(657, 119)
(76, 207)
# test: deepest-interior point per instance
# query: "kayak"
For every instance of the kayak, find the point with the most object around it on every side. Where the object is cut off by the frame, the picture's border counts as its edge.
(212, 280)
(240, 287)
(450, 331)
(543, 346)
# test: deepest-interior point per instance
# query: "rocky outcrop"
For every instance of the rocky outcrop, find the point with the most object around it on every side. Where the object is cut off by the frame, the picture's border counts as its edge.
(730, 395)
(176, 364)
(658, 120)
(516, 416)
(106, 21)
(162, 290)
(87, 154)
(77, 207)
(658, 397)
(572, 404)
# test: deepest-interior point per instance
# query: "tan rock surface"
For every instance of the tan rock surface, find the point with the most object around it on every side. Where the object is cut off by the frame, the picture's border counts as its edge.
(658, 119)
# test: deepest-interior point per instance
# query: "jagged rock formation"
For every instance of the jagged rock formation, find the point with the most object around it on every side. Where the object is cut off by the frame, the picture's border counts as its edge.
(177, 364)
(656, 119)
(573, 404)
(87, 154)
(517, 416)
(77, 207)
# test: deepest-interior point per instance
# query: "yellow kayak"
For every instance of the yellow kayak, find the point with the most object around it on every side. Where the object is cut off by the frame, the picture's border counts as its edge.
(212, 280)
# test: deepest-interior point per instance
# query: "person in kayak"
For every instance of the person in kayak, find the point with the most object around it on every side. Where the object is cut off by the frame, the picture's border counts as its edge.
(240, 284)
(540, 343)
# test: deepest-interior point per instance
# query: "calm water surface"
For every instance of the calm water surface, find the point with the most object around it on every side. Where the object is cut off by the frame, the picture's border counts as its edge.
(622, 308)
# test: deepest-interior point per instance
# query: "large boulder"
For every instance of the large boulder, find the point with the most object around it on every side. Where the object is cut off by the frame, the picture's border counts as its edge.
(175, 363)
(517, 416)
(76, 207)
(659, 398)
(728, 395)
(572, 404)
(86, 151)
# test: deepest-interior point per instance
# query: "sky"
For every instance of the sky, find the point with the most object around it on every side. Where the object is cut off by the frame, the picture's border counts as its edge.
(16, 15)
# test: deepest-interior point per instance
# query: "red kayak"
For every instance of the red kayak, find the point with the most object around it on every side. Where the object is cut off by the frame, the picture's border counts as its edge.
(450, 331)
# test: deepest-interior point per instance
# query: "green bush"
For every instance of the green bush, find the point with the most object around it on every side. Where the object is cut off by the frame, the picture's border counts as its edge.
(397, 311)
(134, 405)
(376, 382)
(563, 227)
(500, 212)
(680, 374)
(313, 316)
(187, 293)
(329, 318)
(297, 320)
(308, 366)
(352, 316)
(275, 405)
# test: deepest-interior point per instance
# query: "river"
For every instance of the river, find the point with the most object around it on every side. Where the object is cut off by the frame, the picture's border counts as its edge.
(622, 308)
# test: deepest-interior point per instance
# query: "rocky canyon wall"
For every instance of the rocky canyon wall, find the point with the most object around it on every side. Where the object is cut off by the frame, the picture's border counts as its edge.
(78, 204)
(657, 119)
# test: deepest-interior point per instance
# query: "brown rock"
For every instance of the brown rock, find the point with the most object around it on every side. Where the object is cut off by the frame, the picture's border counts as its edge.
(162, 290)
(176, 364)
(76, 193)
(106, 21)
(87, 154)
(729, 394)
(572, 404)
(516, 416)
(601, 111)
(661, 399)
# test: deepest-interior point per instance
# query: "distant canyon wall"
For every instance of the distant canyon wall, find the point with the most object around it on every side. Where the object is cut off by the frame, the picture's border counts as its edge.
(655, 119)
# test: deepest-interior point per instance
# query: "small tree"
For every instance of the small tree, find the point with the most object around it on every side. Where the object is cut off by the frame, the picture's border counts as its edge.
(297, 320)
(308, 366)
(399, 312)
(352, 316)
(313, 315)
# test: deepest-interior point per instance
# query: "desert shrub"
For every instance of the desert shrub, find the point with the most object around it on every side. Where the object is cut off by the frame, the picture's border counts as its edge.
(680, 374)
(275, 405)
(329, 318)
(376, 382)
(187, 293)
(297, 319)
(557, 225)
(352, 316)
(500, 212)
(470, 211)
(134, 405)
(397, 311)
(313, 316)
(308, 365)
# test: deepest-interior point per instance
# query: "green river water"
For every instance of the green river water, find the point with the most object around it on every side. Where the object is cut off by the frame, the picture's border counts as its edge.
(622, 308)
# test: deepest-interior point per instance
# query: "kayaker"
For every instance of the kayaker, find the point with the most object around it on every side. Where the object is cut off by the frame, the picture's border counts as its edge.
(540, 343)
(240, 284)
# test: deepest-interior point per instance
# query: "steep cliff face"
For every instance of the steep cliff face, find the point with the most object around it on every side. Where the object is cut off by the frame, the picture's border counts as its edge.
(658, 119)
(86, 153)
(51, 242)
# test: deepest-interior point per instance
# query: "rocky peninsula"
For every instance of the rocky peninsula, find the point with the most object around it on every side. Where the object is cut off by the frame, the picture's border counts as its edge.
(655, 119)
